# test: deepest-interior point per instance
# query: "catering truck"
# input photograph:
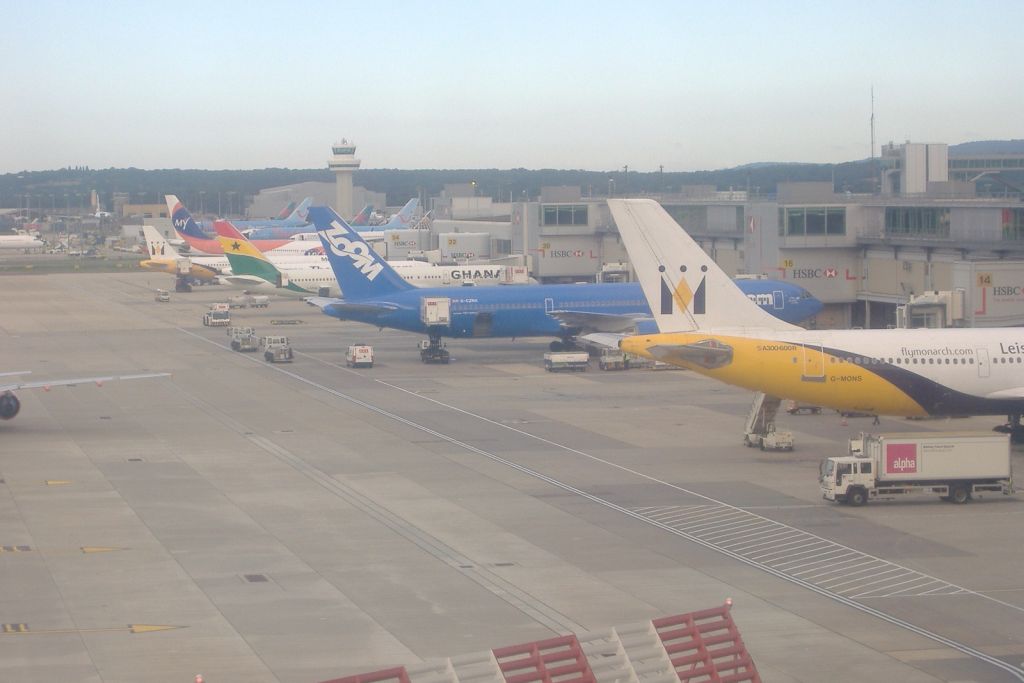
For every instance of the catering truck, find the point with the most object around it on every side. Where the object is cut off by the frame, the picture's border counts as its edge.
(953, 465)
(359, 356)
(219, 315)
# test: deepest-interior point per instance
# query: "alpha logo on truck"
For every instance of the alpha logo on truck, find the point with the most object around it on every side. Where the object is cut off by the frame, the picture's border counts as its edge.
(901, 458)
(362, 255)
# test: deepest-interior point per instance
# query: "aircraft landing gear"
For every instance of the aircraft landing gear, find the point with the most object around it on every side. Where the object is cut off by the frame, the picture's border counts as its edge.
(433, 351)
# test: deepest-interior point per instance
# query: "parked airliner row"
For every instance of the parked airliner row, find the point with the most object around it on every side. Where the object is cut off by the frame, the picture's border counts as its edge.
(707, 326)
(375, 294)
(313, 276)
(403, 219)
(163, 257)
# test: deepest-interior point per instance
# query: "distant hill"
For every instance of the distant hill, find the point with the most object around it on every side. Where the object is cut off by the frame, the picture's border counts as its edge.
(987, 147)
(70, 187)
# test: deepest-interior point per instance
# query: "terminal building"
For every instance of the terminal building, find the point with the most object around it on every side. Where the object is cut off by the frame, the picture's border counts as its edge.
(927, 238)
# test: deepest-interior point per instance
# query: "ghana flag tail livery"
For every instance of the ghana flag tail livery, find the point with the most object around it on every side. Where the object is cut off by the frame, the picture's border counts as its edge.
(362, 273)
(684, 287)
(246, 260)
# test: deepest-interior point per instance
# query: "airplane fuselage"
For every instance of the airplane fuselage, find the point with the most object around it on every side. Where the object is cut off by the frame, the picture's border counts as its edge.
(908, 373)
(523, 311)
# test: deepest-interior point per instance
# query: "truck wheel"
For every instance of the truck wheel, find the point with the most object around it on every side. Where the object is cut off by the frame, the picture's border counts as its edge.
(959, 494)
(762, 445)
(857, 497)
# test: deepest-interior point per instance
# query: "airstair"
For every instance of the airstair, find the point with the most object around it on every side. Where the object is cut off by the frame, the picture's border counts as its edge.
(762, 418)
(703, 646)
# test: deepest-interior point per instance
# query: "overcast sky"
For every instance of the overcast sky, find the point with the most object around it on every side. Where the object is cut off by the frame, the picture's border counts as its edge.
(591, 85)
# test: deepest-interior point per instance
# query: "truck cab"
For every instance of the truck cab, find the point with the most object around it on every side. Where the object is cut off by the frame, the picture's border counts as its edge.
(847, 479)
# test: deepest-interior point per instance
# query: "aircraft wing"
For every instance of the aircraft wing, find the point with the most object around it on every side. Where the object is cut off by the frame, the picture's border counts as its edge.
(1016, 392)
(595, 322)
(243, 280)
(339, 306)
(46, 384)
(607, 340)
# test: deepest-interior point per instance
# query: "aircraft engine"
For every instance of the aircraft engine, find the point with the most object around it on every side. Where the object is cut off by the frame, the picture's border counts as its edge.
(9, 405)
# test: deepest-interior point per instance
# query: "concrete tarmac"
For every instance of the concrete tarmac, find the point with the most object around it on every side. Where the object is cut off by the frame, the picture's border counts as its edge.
(299, 522)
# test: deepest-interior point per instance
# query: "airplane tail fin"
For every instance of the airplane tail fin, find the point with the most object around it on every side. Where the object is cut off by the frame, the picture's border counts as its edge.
(156, 244)
(685, 288)
(301, 212)
(361, 272)
(285, 212)
(363, 217)
(245, 259)
(182, 220)
(403, 218)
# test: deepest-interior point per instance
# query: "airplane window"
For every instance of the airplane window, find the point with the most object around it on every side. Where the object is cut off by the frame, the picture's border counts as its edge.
(971, 360)
(954, 361)
(915, 360)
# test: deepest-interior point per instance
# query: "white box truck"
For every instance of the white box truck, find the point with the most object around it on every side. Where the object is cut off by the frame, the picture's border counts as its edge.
(953, 465)
(572, 361)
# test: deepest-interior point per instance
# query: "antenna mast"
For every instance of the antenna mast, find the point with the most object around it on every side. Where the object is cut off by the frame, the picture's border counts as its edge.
(872, 121)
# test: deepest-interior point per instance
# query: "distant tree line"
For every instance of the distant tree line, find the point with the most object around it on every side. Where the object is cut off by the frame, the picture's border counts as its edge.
(70, 187)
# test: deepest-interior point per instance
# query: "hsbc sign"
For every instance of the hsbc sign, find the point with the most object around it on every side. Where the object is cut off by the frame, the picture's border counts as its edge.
(811, 273)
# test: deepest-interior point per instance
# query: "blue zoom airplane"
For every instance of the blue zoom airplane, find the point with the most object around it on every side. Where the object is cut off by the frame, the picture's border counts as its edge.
(377, 295)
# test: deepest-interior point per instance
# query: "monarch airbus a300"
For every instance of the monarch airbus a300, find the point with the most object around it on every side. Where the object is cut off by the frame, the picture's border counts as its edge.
(706, 325)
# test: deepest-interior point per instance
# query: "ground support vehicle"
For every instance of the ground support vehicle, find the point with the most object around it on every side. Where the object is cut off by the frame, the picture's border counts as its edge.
(433, 351)
(219, 315)
(760, 431)
(249, 301)
(359, 356)
(953, 465)
(243, 339)
(795, 408)
(276, 349)
(163, 295)
(611, 359)
(436, 314)
(572, 361)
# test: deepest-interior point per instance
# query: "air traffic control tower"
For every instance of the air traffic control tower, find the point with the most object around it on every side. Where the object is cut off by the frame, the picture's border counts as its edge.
(344, 164)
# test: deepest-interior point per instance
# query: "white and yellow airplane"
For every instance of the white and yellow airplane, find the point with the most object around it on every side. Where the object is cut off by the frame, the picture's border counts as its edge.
(10, 405)
(708, 326)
